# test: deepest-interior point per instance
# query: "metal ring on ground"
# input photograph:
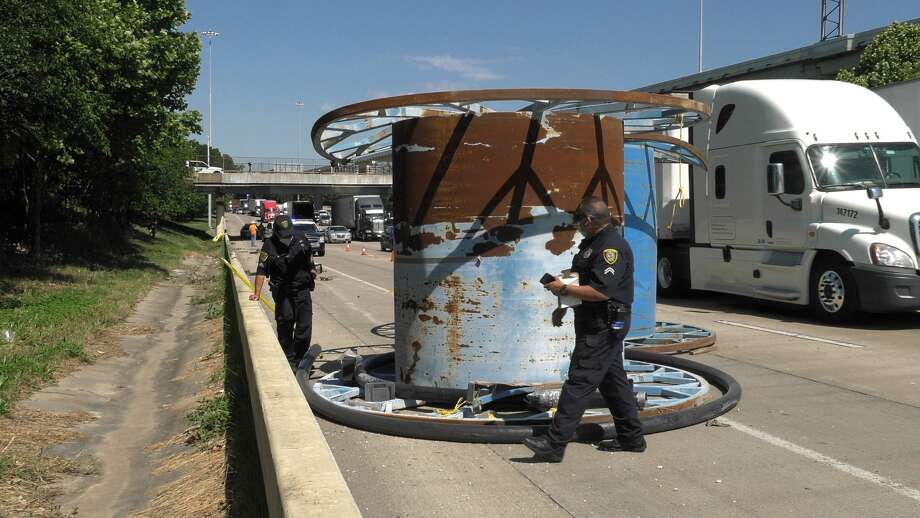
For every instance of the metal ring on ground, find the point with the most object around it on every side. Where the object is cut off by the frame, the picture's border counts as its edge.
(495, 431)
(365, 128)
(673, 338)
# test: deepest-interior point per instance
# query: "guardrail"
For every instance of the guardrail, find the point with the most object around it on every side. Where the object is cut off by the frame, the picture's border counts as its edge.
(300, 474)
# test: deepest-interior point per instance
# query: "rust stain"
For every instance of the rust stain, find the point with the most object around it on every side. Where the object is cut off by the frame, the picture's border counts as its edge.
(491, 249)
(582, 155)
(453, 308)
(563, 239)
(426, 305)
(423, 317)
(407, 375)
(438, 321)
(426, 239)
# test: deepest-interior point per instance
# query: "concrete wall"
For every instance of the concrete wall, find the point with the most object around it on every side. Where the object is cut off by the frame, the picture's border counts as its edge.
(301, 475)
(905, 98)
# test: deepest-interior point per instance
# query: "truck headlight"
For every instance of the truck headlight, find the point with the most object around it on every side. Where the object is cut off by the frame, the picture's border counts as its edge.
(887, 255)
(322, 240)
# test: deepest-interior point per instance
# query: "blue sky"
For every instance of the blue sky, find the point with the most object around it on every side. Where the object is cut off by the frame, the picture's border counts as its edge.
(272, 53)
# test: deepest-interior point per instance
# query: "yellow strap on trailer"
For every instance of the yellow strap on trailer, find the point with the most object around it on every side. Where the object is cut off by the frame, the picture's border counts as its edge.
(241, 276)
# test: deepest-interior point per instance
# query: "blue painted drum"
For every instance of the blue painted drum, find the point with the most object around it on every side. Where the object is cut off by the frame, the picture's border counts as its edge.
(640, 232)
(482, 208)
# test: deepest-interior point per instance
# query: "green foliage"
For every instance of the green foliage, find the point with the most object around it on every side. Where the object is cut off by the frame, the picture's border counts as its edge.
(211, 417)
(891, 57)
(92, 112)
(53, 320)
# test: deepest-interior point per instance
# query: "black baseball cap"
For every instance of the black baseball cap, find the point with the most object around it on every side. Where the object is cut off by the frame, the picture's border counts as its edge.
(283, 228)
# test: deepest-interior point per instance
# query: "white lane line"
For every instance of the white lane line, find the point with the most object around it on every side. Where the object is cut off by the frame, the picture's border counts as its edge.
(851, 470)
(793, 335)
(362, 281)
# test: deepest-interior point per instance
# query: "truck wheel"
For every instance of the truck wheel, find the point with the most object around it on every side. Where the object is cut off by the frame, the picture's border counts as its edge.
(669, 284)
(832, 291)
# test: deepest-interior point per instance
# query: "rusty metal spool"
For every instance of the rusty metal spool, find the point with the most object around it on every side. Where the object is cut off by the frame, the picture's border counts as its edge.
(482, 204)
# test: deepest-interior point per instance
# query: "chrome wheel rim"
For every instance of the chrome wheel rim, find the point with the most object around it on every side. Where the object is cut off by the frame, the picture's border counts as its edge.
(831, 291)
(665, 273)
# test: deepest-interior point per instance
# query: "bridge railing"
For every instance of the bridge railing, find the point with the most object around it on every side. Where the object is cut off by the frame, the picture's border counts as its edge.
(249, 164)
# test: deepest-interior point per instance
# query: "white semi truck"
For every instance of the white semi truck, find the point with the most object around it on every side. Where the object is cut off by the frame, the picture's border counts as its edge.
(812, 197)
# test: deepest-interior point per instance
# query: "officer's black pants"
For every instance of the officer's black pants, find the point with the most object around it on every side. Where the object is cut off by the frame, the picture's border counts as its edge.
(294, 318)
(597, 363)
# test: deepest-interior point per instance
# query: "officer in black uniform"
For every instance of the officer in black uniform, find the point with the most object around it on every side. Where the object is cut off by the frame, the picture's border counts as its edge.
(604, 264)
(286, 258)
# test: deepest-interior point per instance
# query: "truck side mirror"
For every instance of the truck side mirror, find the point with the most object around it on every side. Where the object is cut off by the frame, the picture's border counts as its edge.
(874, 193)
(775, 179)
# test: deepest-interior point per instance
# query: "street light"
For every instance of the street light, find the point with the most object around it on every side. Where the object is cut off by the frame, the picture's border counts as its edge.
(210, 35)
(299, 104)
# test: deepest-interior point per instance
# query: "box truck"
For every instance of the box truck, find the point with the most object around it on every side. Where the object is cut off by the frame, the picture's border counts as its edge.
(300, 211)
(812, 197)
(362, 215)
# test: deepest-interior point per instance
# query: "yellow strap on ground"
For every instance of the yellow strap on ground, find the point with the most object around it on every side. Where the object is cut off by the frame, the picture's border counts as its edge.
(451, 411)
(241, 276)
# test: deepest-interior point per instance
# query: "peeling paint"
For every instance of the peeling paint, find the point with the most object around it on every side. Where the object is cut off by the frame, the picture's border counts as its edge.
(472, 144)
(412, 148)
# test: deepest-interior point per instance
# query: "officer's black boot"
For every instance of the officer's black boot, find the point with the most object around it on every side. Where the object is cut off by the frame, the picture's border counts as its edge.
(544, 450)
(636, 446)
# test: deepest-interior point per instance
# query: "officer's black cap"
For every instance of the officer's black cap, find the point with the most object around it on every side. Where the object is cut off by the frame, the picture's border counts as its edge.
(283, 228)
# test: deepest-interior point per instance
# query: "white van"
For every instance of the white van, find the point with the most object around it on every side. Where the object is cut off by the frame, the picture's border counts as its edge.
(812, 198)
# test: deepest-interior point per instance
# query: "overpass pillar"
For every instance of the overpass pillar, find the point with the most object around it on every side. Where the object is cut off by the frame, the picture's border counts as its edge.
(219, 209)
(210, 202)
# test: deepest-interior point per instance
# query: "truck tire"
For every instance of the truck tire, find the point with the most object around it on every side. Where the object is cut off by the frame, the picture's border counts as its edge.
(833, 296)
(670, 284)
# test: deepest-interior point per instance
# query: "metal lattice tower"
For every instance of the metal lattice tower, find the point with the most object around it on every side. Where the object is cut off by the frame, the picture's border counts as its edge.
(831, 19)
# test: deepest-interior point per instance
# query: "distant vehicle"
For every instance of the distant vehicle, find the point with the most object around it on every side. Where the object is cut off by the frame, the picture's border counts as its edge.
(386, 238)
(300, 211)
(323, 217)
(270, 209)
(338, 234)
(317, 240)
(244, 231)
(201, 167)
(363, 215)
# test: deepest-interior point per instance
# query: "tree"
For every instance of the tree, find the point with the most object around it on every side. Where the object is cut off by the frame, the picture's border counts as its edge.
(91, 91)
(892, 56)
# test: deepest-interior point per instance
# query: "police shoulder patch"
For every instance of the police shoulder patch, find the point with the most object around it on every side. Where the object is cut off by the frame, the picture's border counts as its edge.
(263, 256)
(611, 255)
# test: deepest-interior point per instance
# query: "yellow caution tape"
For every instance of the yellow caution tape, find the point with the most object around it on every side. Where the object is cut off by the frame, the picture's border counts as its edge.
(220, 235)
(241, 276)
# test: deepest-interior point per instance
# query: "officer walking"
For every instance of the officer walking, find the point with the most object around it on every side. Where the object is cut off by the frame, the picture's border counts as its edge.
(604, 264)
(287, 260)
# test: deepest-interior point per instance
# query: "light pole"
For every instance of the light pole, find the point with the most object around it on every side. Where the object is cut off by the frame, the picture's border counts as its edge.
(701, 35)
(299, 105)
(210, 35)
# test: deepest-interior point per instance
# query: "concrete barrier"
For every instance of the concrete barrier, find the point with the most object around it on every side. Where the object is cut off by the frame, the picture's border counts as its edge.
(301, 475)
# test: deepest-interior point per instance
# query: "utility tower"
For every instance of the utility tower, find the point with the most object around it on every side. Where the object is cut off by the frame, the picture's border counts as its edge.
(831, 19)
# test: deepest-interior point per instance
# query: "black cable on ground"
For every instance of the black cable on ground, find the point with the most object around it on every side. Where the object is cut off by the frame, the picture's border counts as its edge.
(456, 430)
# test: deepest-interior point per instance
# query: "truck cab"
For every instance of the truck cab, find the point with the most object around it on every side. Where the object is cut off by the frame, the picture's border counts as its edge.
(812, 197)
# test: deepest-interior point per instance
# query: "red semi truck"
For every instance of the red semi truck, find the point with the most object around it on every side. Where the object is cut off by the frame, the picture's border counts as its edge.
(270, 209)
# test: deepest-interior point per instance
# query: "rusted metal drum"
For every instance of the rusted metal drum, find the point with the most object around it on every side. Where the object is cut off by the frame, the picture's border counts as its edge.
(640, 231)
(482, 207)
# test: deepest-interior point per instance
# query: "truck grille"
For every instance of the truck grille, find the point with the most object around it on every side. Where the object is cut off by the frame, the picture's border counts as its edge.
(915, 231)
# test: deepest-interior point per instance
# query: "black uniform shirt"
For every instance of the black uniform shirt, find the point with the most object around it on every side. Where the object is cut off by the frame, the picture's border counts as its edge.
(604, 262)
(286, 265)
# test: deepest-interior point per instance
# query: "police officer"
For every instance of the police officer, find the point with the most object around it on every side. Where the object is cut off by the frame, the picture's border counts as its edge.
(287, 260)
(604, 264)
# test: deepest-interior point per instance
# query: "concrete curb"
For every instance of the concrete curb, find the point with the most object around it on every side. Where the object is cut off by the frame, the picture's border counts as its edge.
(301, 475)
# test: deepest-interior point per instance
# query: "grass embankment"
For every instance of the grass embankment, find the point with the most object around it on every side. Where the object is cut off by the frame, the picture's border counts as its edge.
(55, 307)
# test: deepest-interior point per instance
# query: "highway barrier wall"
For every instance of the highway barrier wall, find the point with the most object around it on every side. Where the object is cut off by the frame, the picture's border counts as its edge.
(301, 476)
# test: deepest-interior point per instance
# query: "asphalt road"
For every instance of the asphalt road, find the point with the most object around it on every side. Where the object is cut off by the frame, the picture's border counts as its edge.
(829, 423)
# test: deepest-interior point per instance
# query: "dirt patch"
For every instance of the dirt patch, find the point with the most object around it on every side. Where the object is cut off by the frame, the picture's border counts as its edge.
(28, 476)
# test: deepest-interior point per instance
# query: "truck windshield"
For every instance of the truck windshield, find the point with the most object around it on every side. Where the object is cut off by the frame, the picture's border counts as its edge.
(857, 166)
